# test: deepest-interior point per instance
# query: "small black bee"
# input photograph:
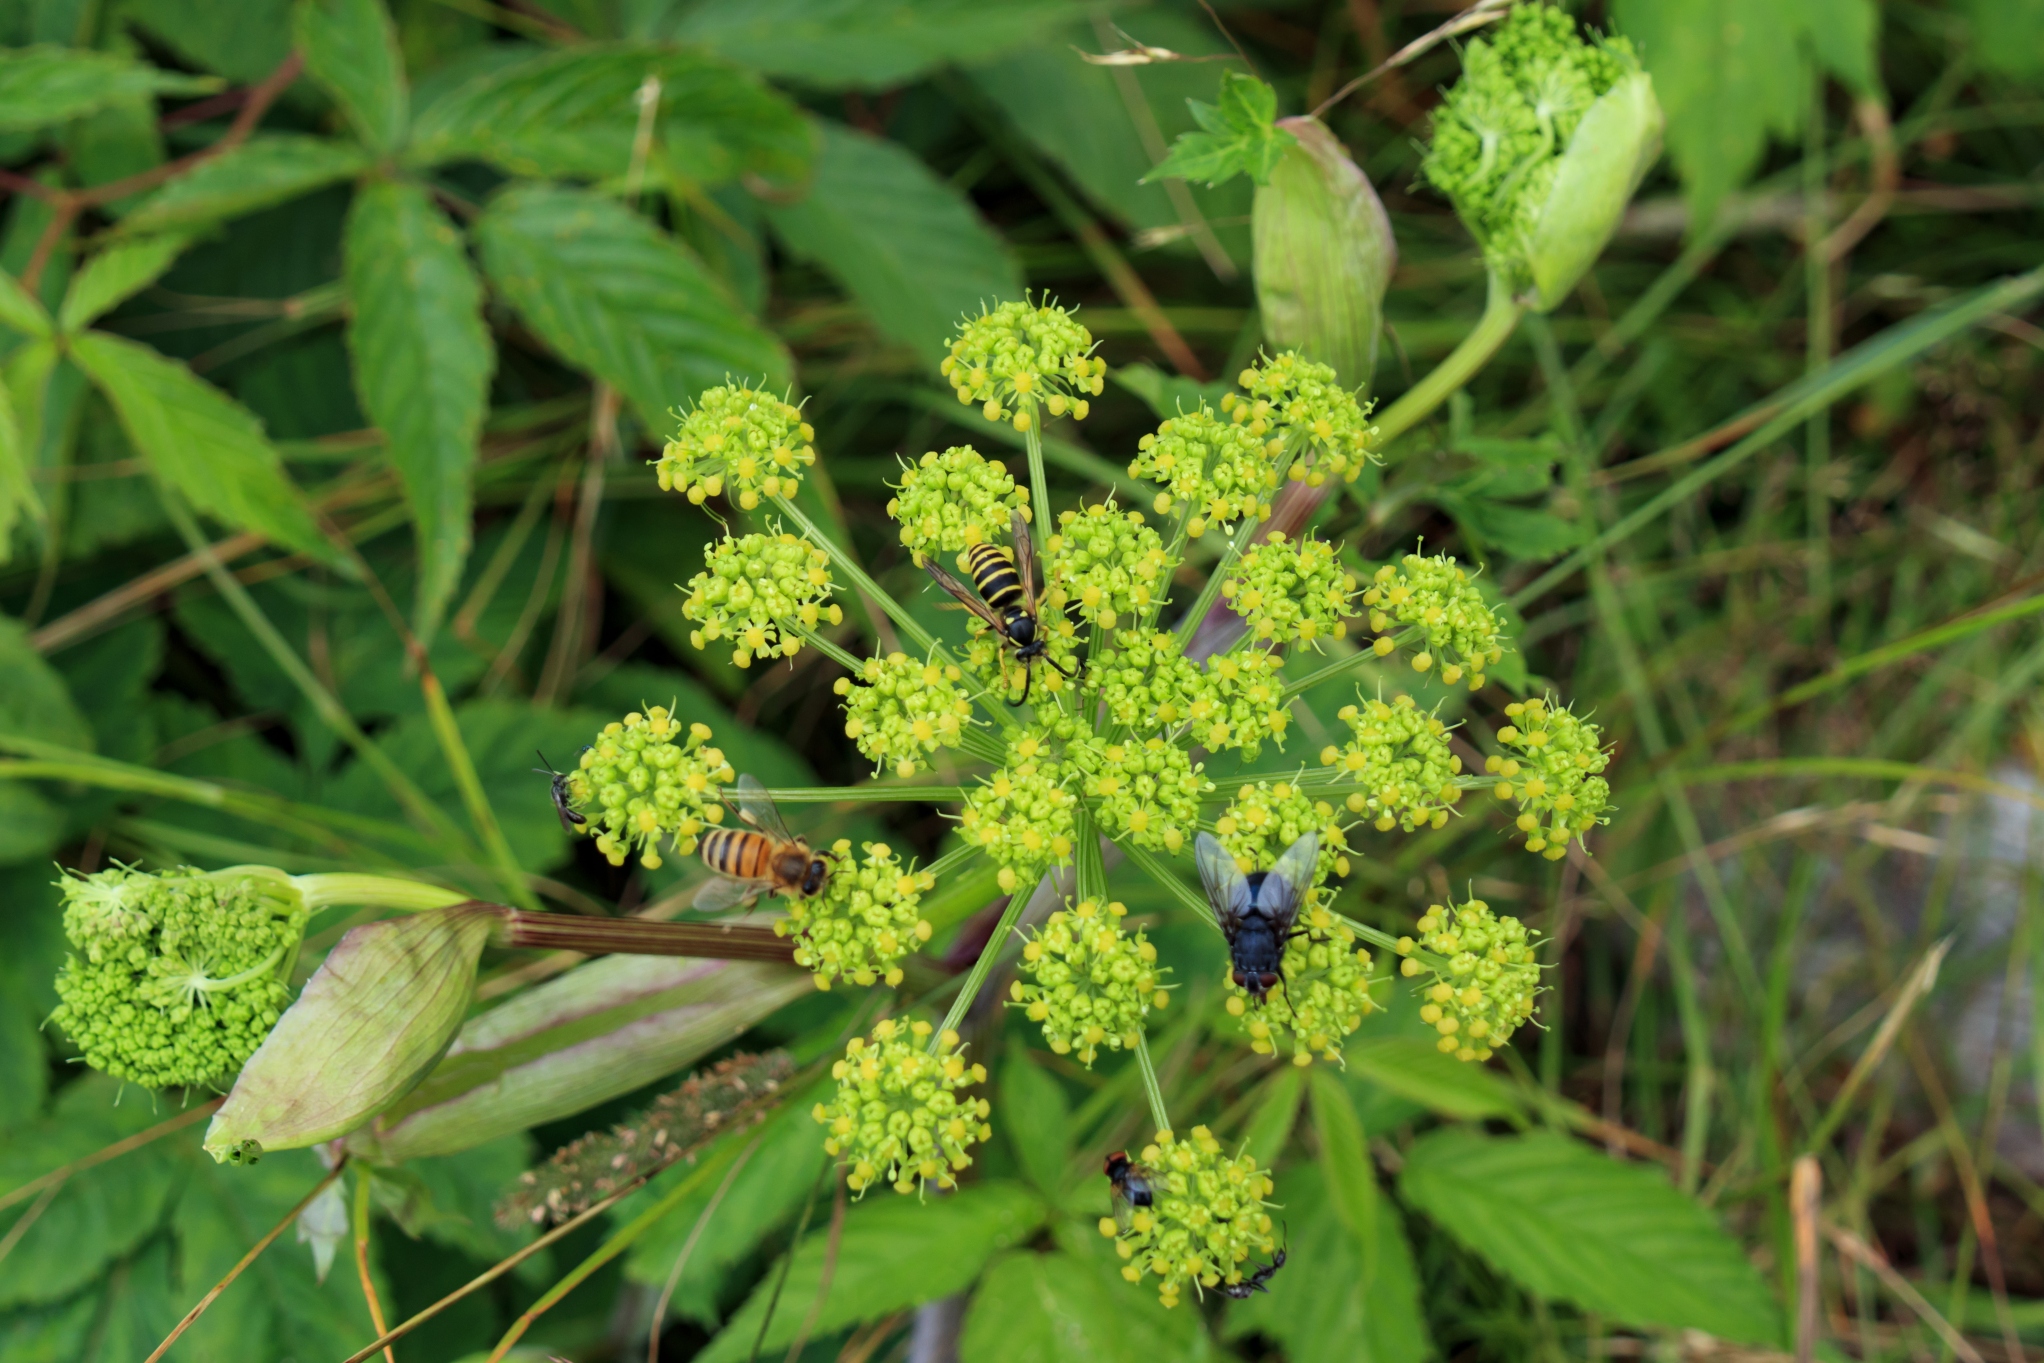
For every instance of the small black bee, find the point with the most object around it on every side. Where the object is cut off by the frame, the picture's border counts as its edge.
(1131, 1186)
(1006, 598)
(570, 820)
(1256, 1281)
(1256, 912)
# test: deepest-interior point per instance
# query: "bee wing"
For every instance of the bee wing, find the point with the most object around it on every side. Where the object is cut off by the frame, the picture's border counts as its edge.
(757, 808)
(1025, 556)
(967, 597)
(1227, 889)
(1284, 889)
(724, 893)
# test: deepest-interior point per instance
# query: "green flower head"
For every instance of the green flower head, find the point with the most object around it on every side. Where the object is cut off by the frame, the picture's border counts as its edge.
(1436, 597)
(1207, 1216)
(753, 588)
(1021, 354)
(1293, 401)
(1267, 817)
(897, 1115)
(1106, 562)
(1242, 704)
(1090, 983)
(175, 978)
(949, 502)
(1146, 681)
(899, 710)
(740, 439)
(1400, 761)
(1553, 774)
(1325, 995)
(1148, 791)
(1022, 814)
(1487, 989)
(639, 786)
(867, 918)
(1289, 590)
(1225, 472)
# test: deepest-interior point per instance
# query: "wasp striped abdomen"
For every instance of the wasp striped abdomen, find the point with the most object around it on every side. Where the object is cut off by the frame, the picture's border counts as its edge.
(993, 573)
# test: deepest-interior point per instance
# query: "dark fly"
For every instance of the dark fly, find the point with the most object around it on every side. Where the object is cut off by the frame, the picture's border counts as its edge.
(1256, 1281)
(1257, 911)
(1131, 1187)
(1003, 593)
(570, 820)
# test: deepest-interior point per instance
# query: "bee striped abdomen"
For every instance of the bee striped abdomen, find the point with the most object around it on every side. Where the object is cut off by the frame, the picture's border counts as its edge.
(738, 853)
(993, 573)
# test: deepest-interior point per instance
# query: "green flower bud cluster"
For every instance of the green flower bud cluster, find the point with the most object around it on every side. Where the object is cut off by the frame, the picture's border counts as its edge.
(1265, 818)
(1022, 814)
(1287, 590)
(1325, 995)
(1108, 563)
(750, 441)
(1147, 790)
(900, 710)
(1020, 354)
(1436, 596)
(753, 587)
(867, 918)
(1554, 775)
(1218, 466)
(897, 1115)
(1090, 983)
(1488, 987)
(175, 978)
(1207, 1216)
(637, 785)
(1305, 405)
(1400, 761)
(1146, 681)
(949, 502)
(1243, 704)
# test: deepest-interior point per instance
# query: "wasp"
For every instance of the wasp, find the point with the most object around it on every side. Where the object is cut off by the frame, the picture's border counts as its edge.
(764, 856)
(1257, 1280)
(1257, 911)
(570, 820)
(1006, 599)
(1131, 1186)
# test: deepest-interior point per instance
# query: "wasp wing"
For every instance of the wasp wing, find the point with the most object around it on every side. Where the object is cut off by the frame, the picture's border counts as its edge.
(967, 597)
(757, 808)
(1025, 557)
(1227, 888)
(1284, 889)
(724, 893)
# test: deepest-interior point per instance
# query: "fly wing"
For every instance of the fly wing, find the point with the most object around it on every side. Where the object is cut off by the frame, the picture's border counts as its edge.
(724, 893)
(757, 808)
(1227, 888)
(967, 597)
(1284, 889)
(1025, 557)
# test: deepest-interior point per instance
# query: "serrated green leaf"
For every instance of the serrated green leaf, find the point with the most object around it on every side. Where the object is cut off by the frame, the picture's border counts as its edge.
(244, 41)
(45, 85)
(422, 366)
(21, 310)
(265, 170)
(33, 699)
(865, 44)
(1572, 1225)
(1037, 1120)
(896, 1252)
(17, 489)
(116, 275)
(1346, 1165)
(200, 441)
(620, 299)
(910, 248)
(1237, 137)
(1270, 1130)
(1057, 1308)
(351, 50)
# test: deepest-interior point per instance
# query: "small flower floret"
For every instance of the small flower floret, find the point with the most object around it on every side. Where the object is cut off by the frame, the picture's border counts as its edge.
(949, 502)
(1206, 1219)
(865, 921)
(1242, 703)
(1022, 815)
(899, 710)
(1091, 983)
(1286, 590)
(738, 438)
(1268, 816)
(1553, 771)
(1147, 791)
(1108, 563)
(897, 1115)
(1225, 472)
(1399, 758)
(1437, 597)
(754, 588)
(1297, 402)
(1021, 354)
(642, 782)
(1487, 987)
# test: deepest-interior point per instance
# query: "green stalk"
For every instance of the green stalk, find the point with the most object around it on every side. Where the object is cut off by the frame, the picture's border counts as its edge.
(823, 646)
(859, 579)
(463, 768)
(322, 889)
(878, 790)
(1500, 315)
(1039, 486)
(1817, 353)
(982, 967)
(1151, 1088)
(1189, 625)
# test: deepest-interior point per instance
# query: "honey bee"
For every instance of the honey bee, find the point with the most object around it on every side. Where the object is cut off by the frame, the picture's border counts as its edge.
(1130, 1186)
(1006, 599)
(570, 820)
(764, 857)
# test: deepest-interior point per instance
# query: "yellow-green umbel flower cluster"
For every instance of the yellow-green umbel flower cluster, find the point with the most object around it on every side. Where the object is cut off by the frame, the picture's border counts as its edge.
(753, 587)
(638, 785)
(1554, 776)
(1266, 817)
(1147, 790)
(1324, 998)
(868, 917)
(1147, 681)
(1022, 354)
(1436, 596)
(1487, 990)
(899, 710)
(1400, 761)
(1108, 563)
(1207, 1216)
(740, 440)
(1090, 983)
(897, 1116)
(1022, 814)
(1243, 703)
(949, 502)
(1291, 401)
(1218, 466)
(175, 978)
(1289, 590)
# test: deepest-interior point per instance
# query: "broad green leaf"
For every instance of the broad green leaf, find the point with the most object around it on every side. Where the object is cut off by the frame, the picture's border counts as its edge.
(21, 310)
(865, 44)
(617, 297)
(1276, 1111)
(33, 699)
(17, 489)
(1350, 1172)
(2008, 35)
(244, 41)
(911, 249)
(422, 366)
(45, 85)
(351, 50)
(268, 169)
(30, 829)
(116, 275)
(1036, 1118)
(452, 1200)
(896, 1252)
(1570, 1224)
(24, 1055)
(1167, 395)
(200, 441)
(1057, 1308)
(575, 112)
(1414, 1069)
(1236, 137)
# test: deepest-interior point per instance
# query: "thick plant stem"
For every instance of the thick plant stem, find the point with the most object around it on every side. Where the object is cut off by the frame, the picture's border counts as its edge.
(324, 888)
(1501, 313)
(645, 937)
